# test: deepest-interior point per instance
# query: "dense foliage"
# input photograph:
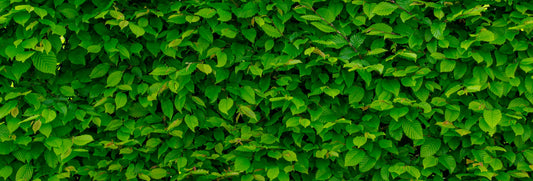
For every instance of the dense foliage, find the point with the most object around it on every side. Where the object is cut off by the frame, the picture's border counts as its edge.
(255, 90)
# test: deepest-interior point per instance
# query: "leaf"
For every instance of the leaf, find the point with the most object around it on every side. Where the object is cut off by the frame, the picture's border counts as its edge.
(6, 108)
(225, 105)
(24, 173)
(206, 12)
(323, 27)
(354, 157)
(359, 141)
(191, 121)
(82, 140)
(447, 65)
(412, 129)
(205, 68)
(485, 35)
(99, 71)
(492, 117)
(273, 173)
(45, 63)
(158, 173)
(430, 161)
(6, 171)
(384, 9)
(430, 147)
(120, 100)
(437, 30)
(289, 155)
(163, 70)
(248, 112)
(48, 115)
(137, 30)
(114, 78)
(67, 91)
(397, 113)
(242, 164)
(271, 31)
(248, 94)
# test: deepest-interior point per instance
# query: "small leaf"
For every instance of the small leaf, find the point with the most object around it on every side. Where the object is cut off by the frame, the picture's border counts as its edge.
(137, 30)
(82, 140)
(163, 70)
(48, 115)
(67, 91)
(354, 157)
(99, 71)
(289, 155)
(120, 100)
(6, 171)
(248, 112)
(492, 117)
(158, 173)
(323, 27)
(271, 31)
(248, 94)
(225, 105)
(384, 9)
(114, 78)
(430, 147)
(191, 121)
(242, 164)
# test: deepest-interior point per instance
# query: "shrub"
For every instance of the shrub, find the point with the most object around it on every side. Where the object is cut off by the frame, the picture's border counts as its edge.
(288, 90)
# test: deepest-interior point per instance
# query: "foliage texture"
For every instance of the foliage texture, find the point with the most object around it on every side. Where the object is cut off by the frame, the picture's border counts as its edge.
(266, 90)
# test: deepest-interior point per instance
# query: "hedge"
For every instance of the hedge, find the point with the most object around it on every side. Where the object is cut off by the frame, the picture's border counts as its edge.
(266, 90)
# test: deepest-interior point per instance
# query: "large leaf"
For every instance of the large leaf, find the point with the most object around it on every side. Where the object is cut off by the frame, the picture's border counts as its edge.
(384, 8)
(412, 129)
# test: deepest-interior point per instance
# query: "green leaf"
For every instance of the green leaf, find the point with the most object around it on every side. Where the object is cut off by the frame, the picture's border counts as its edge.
(485, 35)
(332, 92)
(354, 157)
(99, 71)
(24, 173)
(273, 173)
(384, 9)
(206, 12)
(447, 65)
(448, 162)
(45, 63)
(225, 105)
(158, 173)
(48, 115)
(6, 171)
(67, 91)
(242, 164)
(430, 161)
(248, 94)
(412, 129)
(114, 78)
(120, 100)
(323, 27)
(289, 155)
(248, 112)
(82, 140)
(6, 108)
(430, 147)
(137, 30)
(397, 113)
(359, 141)
(168, 108)
(191, 121)
(271, 31)
(492, 117)
(163, 70)
(437, 30)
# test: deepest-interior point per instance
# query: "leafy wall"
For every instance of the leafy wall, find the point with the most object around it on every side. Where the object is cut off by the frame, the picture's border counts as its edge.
(257, 90)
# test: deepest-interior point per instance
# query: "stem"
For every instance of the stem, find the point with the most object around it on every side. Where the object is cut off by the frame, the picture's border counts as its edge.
(333, 26)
